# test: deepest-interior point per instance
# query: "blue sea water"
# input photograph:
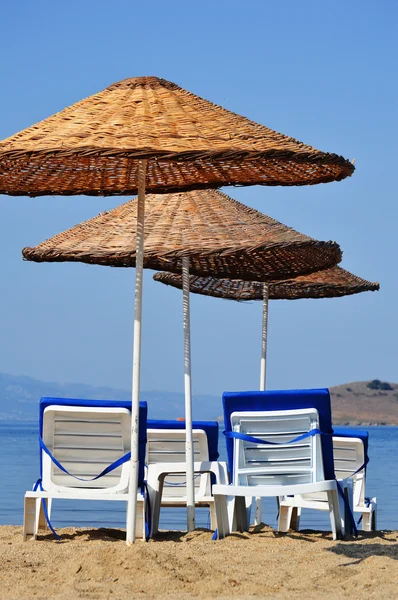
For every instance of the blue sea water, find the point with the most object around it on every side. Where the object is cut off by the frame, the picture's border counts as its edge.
(19, 469)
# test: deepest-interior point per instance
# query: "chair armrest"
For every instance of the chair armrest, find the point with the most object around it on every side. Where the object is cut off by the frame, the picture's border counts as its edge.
(274, 490)
(156, 473)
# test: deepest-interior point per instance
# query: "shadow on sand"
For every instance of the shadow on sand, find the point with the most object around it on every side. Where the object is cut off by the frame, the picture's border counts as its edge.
(358, 552)
(117, 535)
(307, 535)
(108, 535)
(352, 548)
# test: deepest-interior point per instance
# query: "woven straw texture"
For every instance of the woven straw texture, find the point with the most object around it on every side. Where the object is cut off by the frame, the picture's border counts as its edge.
(221, 237)
(331, 283)
(92, 147)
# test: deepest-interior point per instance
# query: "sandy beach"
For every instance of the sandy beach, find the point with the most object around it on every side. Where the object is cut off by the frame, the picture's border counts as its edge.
(96, 564)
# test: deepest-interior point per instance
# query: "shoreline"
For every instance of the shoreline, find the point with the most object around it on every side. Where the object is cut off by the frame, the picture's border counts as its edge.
(96, 564)
(221, 423)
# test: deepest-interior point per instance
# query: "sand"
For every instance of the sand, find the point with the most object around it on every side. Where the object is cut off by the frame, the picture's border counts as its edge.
(96, 564)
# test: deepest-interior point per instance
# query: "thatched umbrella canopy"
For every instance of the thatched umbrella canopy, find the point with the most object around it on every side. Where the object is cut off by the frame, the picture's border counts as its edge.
(148, 134)
(330, 283)
(93, 147)
(217, 235)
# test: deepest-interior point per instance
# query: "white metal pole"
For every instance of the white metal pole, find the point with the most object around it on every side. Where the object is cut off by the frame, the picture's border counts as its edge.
(263, 373)
(264, 332)
(135, 396)
(189, 455)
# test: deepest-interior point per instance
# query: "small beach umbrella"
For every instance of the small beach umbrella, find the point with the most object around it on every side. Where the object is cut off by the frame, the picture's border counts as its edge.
(203, 232)
(147, 134)
(329, 283)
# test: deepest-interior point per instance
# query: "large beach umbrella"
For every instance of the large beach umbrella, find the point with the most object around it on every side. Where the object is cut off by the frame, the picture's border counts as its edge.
(95, 147)
(204, 232)
(147, 134)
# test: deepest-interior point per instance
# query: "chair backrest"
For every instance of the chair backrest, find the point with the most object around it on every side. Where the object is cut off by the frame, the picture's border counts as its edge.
(282, 463)
(349, 455)
(284, 400)
(86, 436)
(166, 444)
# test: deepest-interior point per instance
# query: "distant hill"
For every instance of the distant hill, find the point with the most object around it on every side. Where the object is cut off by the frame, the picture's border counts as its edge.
(352, 403)
(365, 402)
(20, 395)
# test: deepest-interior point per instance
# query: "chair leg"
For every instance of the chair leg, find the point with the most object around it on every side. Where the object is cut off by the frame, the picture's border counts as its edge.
(369, 517)
(295, 518)
(258, 511)
(240, 510)
(374, 515)
(349, 520)
(366, 521)
(221, 508)
(30, 519)
(49, 507)
(285, 517)
(155, 499)
(249, 506)
(335, 514)
(42, 522)
(140, 519)
(213, 516)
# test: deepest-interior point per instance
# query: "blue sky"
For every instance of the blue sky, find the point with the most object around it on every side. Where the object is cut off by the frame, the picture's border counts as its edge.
(323, 73)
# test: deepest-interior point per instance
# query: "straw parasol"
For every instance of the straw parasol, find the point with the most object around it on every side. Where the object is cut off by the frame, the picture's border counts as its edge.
(329, 283)
(148, 134)
(204, 232)
(93, 147)
(218, 235)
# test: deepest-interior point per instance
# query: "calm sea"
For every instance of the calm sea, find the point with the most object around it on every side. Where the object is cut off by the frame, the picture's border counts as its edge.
(19, 469)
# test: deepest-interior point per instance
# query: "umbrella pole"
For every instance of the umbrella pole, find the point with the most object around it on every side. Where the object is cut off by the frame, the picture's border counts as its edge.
(135, 397)
(264, 332)
(263, 373)
(188, 399)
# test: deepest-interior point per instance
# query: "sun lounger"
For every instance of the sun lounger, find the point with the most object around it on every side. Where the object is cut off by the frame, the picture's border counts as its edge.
(166, 472)
(350, 452)
(279, 444)
(350, 449)
(79, 439)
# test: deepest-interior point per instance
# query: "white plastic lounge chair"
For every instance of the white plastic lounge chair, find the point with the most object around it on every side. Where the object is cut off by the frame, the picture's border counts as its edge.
(79, 439)
(350, 449)
(350, 452)
(279, 468)
(166, 466)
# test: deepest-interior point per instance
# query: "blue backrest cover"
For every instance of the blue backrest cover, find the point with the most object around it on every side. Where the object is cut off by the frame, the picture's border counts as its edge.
(45, 402)
(210, 428)
(362, 434)
(283, 400)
